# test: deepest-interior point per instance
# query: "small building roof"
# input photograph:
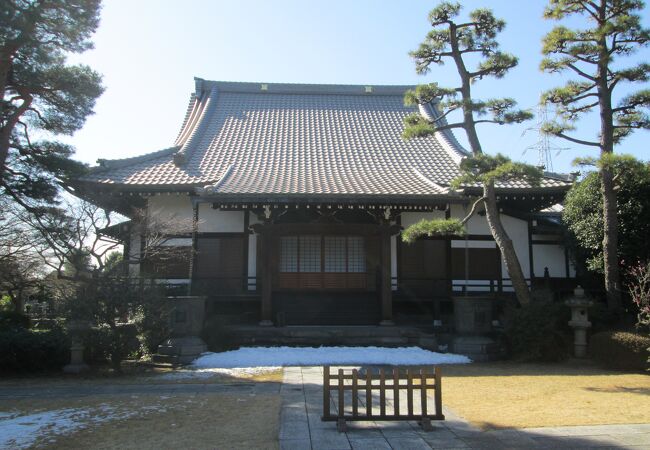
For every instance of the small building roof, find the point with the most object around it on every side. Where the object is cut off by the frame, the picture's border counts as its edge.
(295, 139)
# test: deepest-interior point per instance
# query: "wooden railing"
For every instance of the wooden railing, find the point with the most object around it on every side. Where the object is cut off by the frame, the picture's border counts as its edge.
(393, 385)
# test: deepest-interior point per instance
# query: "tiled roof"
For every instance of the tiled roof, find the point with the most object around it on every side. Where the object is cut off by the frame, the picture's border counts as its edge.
(252, 138)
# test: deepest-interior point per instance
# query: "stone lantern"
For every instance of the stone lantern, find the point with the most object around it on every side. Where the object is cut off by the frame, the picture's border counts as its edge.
(76, 329)
(579, 321)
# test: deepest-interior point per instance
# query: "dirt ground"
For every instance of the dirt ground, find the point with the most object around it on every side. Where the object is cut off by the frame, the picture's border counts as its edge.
(238, 417)
(132, 374)
(154, 421)
(504, 394)
(205, 421)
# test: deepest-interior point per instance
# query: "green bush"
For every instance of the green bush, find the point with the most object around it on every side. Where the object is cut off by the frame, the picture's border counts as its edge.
(97, 345)
(13, 319)
(104, 343)
(539, 332)
(620, 350)
(23, 350)
(152, 321)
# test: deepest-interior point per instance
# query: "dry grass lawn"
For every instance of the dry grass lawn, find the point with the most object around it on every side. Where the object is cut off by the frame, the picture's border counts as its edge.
(503, 395)
(196, 421)
(161, 421)
(148, 375)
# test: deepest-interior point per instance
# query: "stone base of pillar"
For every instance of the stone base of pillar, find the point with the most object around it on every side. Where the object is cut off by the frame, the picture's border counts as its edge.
(387, 323)
(478, 348)
(180, 350)
(266, 323)
(76, 368)
(77, 364)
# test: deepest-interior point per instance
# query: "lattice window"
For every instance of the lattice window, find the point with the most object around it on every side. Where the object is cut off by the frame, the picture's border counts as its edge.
(310, 253)
(356, 254)
(340, 254)
(335, 251)
(289, 254)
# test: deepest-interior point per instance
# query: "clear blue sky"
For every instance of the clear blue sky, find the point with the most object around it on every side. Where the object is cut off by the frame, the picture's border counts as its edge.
(149, 51)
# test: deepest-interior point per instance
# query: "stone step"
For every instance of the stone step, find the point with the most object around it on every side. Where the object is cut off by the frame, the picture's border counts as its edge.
(329, 335)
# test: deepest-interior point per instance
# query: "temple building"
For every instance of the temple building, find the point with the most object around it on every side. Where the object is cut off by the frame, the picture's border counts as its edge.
(295, 196)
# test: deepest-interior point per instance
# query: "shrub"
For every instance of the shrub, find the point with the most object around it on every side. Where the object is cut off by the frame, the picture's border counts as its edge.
(23, 350)
(620, 349)
(603, 318)
(104, 343)
(13, 319)
(539, 332)
(152, 320)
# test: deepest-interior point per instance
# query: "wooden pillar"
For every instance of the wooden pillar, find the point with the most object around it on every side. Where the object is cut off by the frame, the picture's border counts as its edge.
(194, 250)
(386, 293)
(264, 241)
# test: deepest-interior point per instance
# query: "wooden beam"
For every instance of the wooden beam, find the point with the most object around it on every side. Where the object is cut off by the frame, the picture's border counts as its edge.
(386, 293)
(193, 256)
(264, 241)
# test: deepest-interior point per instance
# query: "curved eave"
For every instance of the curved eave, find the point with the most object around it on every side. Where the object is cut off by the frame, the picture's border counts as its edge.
(527, 191)
(348, 199)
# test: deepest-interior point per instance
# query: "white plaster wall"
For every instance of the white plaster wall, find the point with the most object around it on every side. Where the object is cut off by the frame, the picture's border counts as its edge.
(473, 244)
(252, 261)
(409, 218)
(177, 242)
(134, 254)
(173, 212)
(517, 230)
(393, 262)
(215, 221)
(546, 237)
(551, 256)
(477, 224)
(252, 218)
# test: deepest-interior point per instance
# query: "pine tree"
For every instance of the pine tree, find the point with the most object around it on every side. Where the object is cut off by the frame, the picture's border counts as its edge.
(42, 95)
(613, 30)
(452, 40)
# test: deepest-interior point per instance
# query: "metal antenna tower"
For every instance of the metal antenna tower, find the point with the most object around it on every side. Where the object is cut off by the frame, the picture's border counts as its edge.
(544, 145)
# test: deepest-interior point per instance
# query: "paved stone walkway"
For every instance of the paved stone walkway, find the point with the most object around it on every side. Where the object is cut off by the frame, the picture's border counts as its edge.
(301, 428)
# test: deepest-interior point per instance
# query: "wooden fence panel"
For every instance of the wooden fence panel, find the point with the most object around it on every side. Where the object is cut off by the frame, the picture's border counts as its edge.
(413, 382)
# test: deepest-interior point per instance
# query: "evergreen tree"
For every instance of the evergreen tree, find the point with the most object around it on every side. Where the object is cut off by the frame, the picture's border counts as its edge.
(613, 29)
(42, 96)
(583, 213)
(452, 40)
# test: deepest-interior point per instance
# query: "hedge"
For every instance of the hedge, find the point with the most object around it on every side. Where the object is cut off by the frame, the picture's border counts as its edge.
(23, 350)
(621, 350)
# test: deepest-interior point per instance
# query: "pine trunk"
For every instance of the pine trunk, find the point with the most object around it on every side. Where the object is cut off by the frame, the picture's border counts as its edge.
(505, 245)
(610, 214)
(610, 240)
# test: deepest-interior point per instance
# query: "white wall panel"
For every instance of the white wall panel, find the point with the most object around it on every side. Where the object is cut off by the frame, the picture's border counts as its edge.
(551, 256)
(215, 221)
(517, 230)
(171, 211)
(477, 224)
(252, 261)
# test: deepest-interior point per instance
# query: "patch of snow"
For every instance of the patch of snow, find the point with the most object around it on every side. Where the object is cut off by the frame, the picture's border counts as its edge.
(18, 430)
(258, 357)
(193, 373)
(249, 361)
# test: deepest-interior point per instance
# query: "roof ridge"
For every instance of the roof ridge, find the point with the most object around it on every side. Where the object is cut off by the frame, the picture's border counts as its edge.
(263, 87)
(105, 164)
(189, 115)
(212, 188)
(446, 138)
(428, 181)
(197, 127)
(568, 177)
